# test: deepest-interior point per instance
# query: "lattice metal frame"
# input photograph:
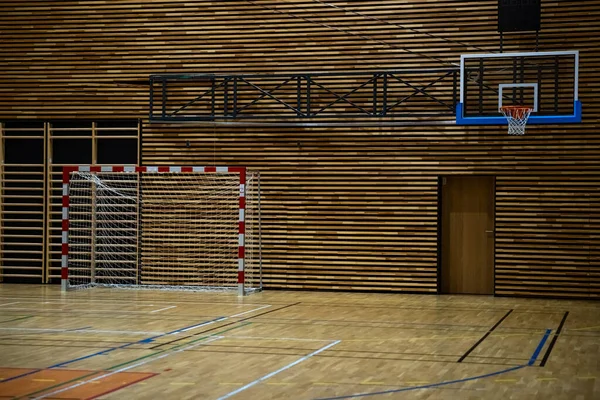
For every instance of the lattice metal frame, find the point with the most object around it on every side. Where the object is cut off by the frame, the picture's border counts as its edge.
(233, 97)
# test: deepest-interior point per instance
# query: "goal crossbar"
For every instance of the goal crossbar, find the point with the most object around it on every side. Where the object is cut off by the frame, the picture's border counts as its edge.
(95, 170)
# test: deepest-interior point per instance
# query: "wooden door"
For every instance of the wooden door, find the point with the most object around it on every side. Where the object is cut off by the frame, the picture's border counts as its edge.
(468, 235)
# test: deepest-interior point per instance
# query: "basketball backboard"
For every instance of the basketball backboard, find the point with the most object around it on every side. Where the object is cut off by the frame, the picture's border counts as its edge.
(547, 82)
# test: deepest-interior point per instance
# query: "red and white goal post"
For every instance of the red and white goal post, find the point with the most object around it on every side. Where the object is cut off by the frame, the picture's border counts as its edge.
(183, 228)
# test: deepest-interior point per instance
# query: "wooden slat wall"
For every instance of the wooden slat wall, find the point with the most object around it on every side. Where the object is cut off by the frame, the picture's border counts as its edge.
(348, 207)
(560, 216)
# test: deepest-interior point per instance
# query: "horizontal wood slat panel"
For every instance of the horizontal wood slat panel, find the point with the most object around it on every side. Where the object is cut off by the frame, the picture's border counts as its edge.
(345, 208)
(545, 247)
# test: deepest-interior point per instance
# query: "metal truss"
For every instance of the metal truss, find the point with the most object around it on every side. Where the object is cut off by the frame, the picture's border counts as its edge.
(304, 96)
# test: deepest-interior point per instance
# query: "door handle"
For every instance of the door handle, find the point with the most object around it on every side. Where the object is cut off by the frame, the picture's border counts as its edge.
(489, 231)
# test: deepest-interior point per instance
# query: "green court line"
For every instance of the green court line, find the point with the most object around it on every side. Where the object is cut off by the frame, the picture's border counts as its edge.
(132, 361)
(17, 319)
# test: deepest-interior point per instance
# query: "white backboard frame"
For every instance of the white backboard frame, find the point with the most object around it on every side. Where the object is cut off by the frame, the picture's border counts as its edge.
(576, 117)
(503, 86)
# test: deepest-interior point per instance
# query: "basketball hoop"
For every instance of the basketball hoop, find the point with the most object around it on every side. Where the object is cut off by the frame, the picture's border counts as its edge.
(517, 117)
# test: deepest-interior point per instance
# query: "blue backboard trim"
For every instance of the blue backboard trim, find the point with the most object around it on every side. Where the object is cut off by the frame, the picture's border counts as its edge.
(575, 118)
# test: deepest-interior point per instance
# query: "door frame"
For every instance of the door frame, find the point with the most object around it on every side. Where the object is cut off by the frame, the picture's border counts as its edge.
(441, 179)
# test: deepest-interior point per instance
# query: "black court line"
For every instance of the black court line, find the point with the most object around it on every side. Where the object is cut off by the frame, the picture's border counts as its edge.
(374, 325)
(484, 336)
(344, 305)
(223, 326)
(209, 349)
(433, 308)
(554, 339)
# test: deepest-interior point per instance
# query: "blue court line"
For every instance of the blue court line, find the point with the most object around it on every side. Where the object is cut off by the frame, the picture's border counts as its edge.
(187, 328)
(351, 396)
(538, 349)
(106, 351)
(532, 360)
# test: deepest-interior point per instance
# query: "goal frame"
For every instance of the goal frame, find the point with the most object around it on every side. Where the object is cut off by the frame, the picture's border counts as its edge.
(66, 180)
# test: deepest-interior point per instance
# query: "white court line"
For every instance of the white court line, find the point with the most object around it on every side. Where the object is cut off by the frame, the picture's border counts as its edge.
(8, 304)
(119, 302)
(162, 309)
(33, 329)
(199, 325)
(81, 331)
(119, 332)
(65, 302)
(278, 338)
(114, 310)
(146, 361)
(79, 301)
(264, 378)
(248, 312)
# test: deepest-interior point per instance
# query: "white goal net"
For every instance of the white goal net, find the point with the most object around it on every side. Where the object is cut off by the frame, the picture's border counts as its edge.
(167, 230)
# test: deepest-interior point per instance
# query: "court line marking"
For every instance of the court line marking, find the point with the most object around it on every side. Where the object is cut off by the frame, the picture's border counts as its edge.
(401, 339)
(79, 301)
(124, 384)
(37, 330)
(241, 320)
(162, 309)
(351, 396)
(434, 337)
(538, 349)
(286, 367)
(80, 330)
(129, 311)
(554, 339)
(536, 309)
(111, 349)
(212, 339)
(147, 340)
(8, 304)
(148, 358)
(489, 308)
(16, 319)
(79, 379)
(248, 312)
(190, 328)
(57, 301)
(121, 332)
(108, 310)
(278, 338)
(489, 332)
(445, 383)
(585, 328)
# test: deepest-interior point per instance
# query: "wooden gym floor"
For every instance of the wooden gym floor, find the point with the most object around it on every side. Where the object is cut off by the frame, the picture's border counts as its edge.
(121, 344)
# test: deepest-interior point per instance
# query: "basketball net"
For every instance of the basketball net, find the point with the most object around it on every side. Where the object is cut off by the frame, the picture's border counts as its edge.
(517, 117)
